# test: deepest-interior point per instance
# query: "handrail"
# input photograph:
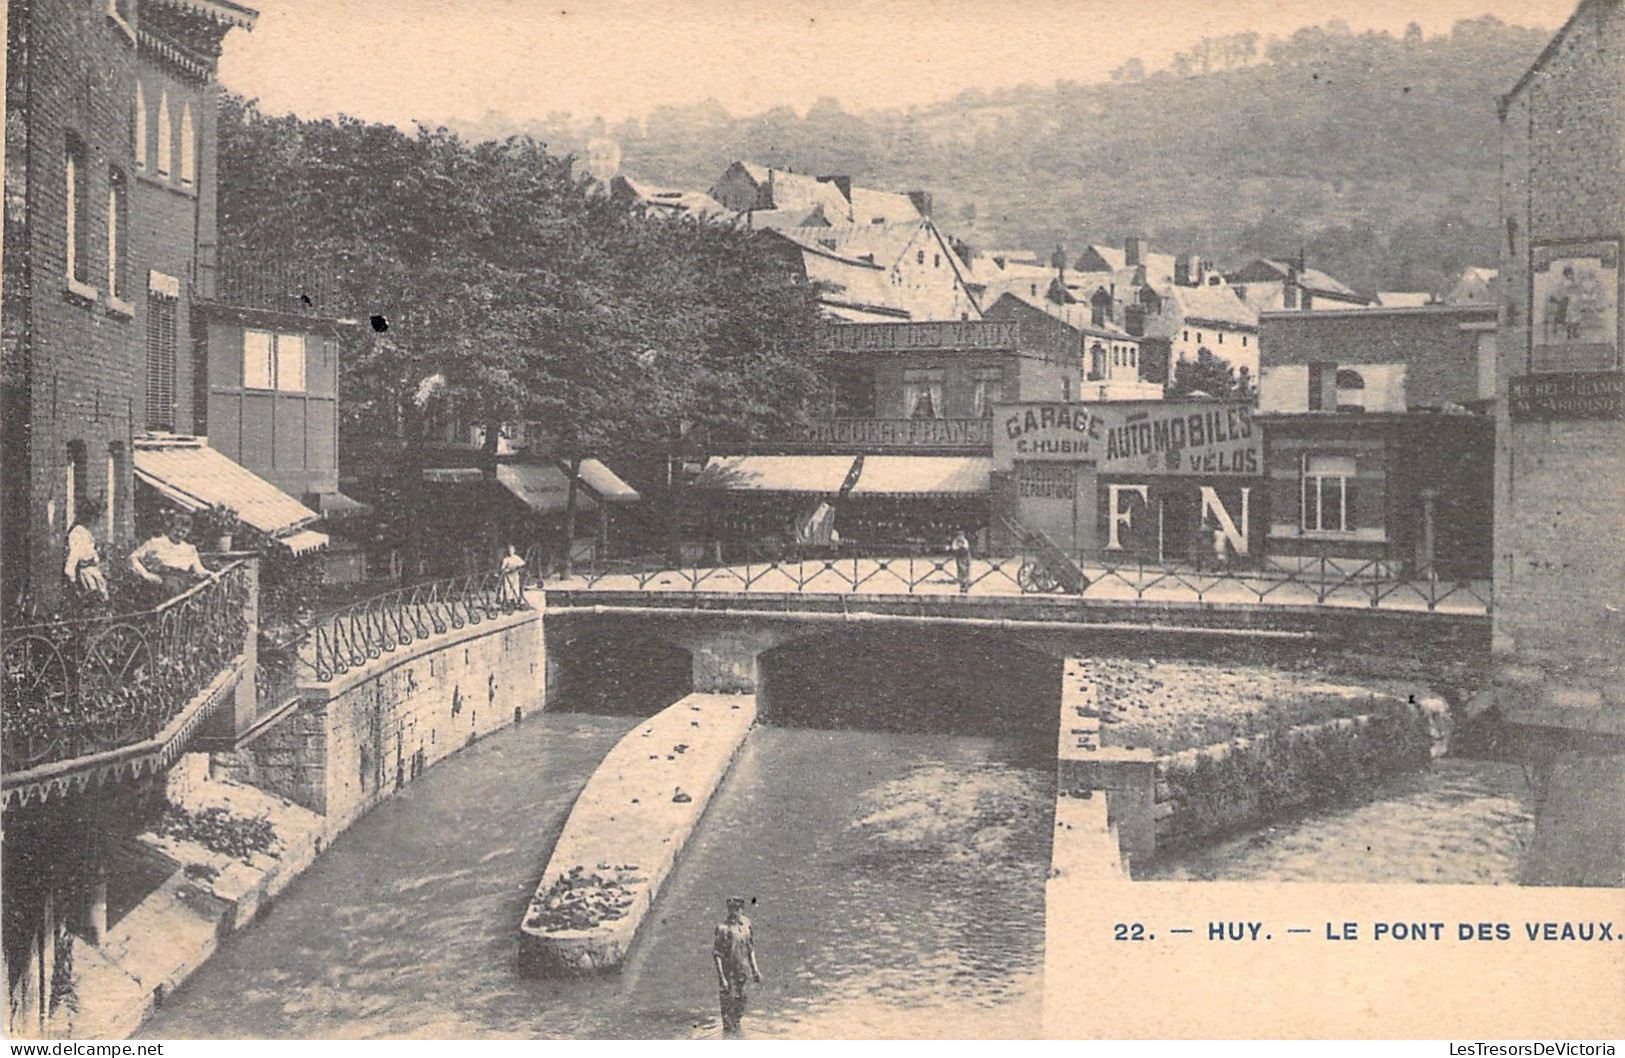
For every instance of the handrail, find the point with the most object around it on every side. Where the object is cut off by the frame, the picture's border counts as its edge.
(351, 636)
(75, 688)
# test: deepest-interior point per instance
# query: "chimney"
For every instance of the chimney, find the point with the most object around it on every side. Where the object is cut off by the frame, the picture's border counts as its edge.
(1133, 250)
(922, 202)
(1182, 271)
(843, 184)
(1289, 289)
(769, 203)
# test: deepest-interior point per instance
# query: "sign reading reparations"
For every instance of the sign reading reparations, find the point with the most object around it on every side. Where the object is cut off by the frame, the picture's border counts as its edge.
(898, 433)
(1568, 395)
(949, 334)
(1151, 437)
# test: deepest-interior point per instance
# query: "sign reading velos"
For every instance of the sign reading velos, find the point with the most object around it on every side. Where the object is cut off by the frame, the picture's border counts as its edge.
(1148, 437)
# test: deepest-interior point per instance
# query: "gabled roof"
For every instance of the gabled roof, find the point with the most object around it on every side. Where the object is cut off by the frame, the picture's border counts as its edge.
(800, 194)
(1547, 52)
(1212, 304)
(855, 262)
(1077, 317)
(1159, 267)
(672, 200)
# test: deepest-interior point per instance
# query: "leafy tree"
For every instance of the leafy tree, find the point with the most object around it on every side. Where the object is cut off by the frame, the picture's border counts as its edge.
(512, 290)
(1208, 374)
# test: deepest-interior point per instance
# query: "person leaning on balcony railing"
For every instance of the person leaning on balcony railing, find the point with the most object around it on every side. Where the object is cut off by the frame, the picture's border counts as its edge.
(83, 568)
(168, 561)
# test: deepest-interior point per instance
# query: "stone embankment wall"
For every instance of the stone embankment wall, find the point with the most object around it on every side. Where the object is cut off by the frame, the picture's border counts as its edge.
(626, 831)
(359, 738)
(1155, 800)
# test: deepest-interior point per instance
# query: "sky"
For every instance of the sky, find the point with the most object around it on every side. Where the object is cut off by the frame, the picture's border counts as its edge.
(400, 61)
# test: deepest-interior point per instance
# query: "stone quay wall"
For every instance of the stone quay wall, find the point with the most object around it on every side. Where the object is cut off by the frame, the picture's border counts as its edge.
(624, 834)
(359, 738)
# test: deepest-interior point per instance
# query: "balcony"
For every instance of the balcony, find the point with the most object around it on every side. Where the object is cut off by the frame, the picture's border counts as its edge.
(915, 435)
(120, 696)
(295, 288)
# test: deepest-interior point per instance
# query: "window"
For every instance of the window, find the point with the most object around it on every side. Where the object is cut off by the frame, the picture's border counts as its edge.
(1097, 362)
(1328, 493)
(922, 394)
(1198, 337)
(78, 212)
(290, 363)
(273, 361)
(919, 257)
(165, 146)
(1348, 378)
(160, 360)
(1322, 387)
(1066, 389)
(188, 147)
(1221, 337)
(1244, 341)
(118, 226)
(115, 471)
(1187, 336)
(259, 364)
(987, 388)
(936, 260)
(78, 482)
(138, 127)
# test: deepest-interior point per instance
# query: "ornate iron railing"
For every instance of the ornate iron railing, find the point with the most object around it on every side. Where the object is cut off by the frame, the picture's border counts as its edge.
(1321, 579)
(363, 631)
(75, 688)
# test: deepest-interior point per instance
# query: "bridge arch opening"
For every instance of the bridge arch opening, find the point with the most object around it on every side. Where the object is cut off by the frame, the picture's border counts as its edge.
(931, 679)
(602, 670)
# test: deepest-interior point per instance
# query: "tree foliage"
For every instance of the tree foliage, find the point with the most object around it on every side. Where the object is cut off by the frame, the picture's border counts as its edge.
(513, 289)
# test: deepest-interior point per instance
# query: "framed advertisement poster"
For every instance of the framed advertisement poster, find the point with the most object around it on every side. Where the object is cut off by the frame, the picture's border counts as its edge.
(1574, 306)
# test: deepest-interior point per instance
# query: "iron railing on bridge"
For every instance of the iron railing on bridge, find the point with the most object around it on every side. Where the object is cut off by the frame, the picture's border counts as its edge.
(1321, 578)
(348, 638)
(75, 688)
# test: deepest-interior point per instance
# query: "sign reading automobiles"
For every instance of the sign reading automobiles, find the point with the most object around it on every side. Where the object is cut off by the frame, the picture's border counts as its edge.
(1148, 437)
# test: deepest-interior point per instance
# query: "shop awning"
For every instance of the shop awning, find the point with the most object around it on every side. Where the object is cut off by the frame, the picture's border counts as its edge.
(605, 484)
(195, 476)
(304, 540)
(797, 474)
(923, 476)
(544, 488)
(333, 505)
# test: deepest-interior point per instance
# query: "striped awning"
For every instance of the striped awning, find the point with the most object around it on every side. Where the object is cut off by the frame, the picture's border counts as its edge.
(304, 540)
(793, 474)
(924, 476)
(190, 473)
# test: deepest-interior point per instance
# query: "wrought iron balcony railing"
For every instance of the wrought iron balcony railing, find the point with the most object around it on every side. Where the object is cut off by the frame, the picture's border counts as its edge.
(77, 688)
(300, 288)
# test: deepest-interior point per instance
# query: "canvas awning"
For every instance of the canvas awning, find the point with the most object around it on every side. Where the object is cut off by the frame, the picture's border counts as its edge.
(543, 488)
(333, 505)
(793, 474)
(605, 484)
(924, 476)
(304, 540)
(195, 476)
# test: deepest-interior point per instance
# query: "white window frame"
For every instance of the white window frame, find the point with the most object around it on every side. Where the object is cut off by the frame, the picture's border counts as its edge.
(1319, 474)
(278, 366)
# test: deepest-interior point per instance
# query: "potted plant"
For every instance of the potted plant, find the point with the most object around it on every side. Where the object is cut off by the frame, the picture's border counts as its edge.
(215, 525)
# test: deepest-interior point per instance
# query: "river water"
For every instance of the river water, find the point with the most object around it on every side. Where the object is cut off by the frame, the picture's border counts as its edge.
(897, 881)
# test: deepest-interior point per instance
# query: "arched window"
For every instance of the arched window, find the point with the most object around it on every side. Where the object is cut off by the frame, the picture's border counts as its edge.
(188, 147)
(1097, 362)
(138, 127)
(166, 145)
(1348, 378)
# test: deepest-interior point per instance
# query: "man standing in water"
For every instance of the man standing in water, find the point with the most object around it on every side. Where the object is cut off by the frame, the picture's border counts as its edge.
(734, 952)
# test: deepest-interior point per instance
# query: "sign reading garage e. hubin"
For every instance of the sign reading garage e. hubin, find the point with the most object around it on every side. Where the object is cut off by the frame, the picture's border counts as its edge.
(1147, 437)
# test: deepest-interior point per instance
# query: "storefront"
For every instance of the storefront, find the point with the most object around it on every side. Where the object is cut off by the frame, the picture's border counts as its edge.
(1148, 479)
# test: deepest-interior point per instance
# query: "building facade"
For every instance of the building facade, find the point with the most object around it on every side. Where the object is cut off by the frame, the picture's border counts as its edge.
(110, 214)
(1559, 580)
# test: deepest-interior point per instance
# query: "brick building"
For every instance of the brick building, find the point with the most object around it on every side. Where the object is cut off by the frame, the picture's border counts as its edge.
(1559, 577)
(110, 205)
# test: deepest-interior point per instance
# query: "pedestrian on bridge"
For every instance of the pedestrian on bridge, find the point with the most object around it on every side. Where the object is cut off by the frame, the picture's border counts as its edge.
(960, 548)
(734, 951)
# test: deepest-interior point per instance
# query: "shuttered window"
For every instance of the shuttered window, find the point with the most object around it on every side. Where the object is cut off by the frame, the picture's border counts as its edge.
(160, 361)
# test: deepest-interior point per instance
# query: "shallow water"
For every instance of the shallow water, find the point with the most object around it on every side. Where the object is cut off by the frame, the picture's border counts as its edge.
(897, 878)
